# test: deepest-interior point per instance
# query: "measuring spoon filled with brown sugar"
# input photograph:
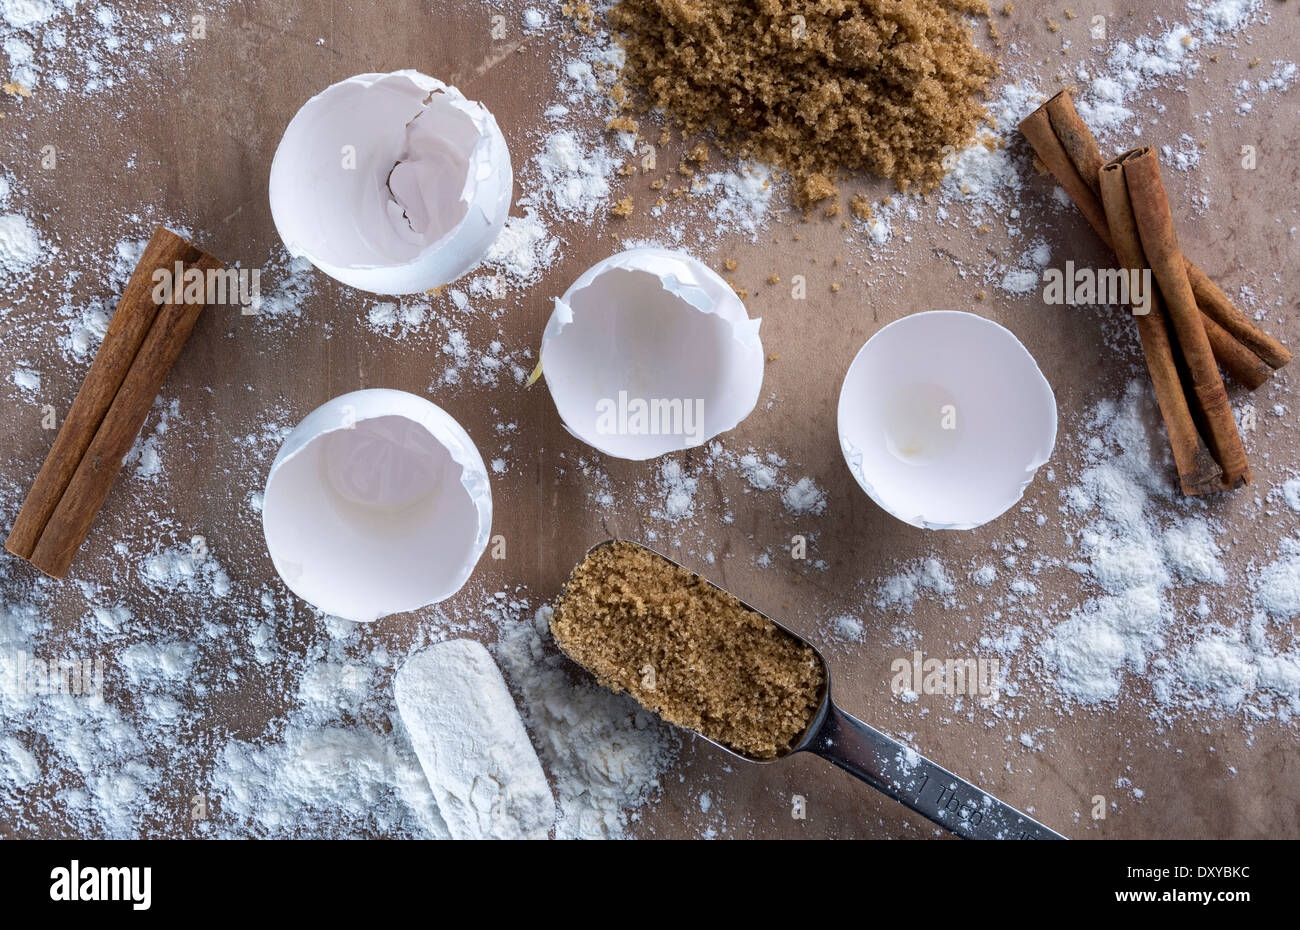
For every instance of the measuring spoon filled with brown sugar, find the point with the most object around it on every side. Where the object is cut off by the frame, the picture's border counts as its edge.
(703, 659)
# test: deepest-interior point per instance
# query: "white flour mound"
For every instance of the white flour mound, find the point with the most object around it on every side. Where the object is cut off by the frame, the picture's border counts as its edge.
(20, 246)
(468, 736)
(605, 753)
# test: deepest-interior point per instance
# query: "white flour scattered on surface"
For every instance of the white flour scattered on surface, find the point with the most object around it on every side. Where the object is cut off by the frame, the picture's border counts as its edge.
(1132, 66)
(26, 380)
(605, 753)
(902, 590)
(51, 48)
(1144, 551)
(145, 456)
(762, 474)
(804, 497)
(575, 177)
(395, 318)
(847, 628)
(677, 489)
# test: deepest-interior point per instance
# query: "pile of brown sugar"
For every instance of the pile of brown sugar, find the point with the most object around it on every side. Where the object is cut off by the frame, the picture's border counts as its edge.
(688, 651)
(816, 87)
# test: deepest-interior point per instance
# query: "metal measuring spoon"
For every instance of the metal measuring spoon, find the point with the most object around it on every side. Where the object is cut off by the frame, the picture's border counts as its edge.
(886, 764)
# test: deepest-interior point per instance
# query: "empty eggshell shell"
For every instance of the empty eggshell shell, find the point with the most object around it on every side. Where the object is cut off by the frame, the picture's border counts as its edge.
(391, 183)
(943, 419)
(377, 503)
(649, 352)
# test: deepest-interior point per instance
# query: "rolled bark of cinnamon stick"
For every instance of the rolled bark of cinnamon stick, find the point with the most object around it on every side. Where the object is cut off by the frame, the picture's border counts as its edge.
(1037, 128)
(1155, 226)
(1198, 472)
(1069, 151)
(126, 332)
(128, 402)
(1217, 307)
(1076, 138)
(1245, 367)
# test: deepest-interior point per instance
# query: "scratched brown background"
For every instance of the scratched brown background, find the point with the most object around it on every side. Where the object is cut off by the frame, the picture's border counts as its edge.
(201, 139)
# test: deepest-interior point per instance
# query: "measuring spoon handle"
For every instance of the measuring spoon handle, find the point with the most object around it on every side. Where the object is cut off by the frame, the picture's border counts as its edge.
(929, 789)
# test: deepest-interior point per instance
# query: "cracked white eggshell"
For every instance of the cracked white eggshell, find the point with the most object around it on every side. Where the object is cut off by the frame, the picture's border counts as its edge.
(658, 325)
(391, 183)
(377, 503)
(944, 417)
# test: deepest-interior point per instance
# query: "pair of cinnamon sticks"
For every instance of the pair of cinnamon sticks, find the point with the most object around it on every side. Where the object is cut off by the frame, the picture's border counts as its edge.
(143, 340)
(1192, 328)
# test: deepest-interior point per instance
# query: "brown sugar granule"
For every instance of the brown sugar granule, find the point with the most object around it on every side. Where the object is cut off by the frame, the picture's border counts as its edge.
(812, 86)
(730, 264)
(688, 651)
(582, 15)
(814, 188)
(623, 208)
(622, 124)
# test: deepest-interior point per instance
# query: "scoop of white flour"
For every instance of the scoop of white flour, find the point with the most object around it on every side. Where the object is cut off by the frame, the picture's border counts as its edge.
(472, 744)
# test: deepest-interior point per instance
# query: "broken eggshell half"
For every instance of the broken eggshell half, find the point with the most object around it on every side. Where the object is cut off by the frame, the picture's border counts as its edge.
(391, 183)
(943, 419)
(650, 352)
(377, 503)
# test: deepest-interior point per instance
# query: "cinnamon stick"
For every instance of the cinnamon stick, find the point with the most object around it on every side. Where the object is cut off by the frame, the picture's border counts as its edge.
(1216, 306)
(1208, 398)
(1198, 472)
(1076, 138)
(1037, 128)
(1069, 151)
(1245, 367)
(63, 504)
(126, 331)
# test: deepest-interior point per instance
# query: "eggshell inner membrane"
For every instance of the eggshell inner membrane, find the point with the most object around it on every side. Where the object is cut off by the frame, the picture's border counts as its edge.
(371, 174)
(371, 519)
(630, 333)
(427, 181)
(944, 418)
